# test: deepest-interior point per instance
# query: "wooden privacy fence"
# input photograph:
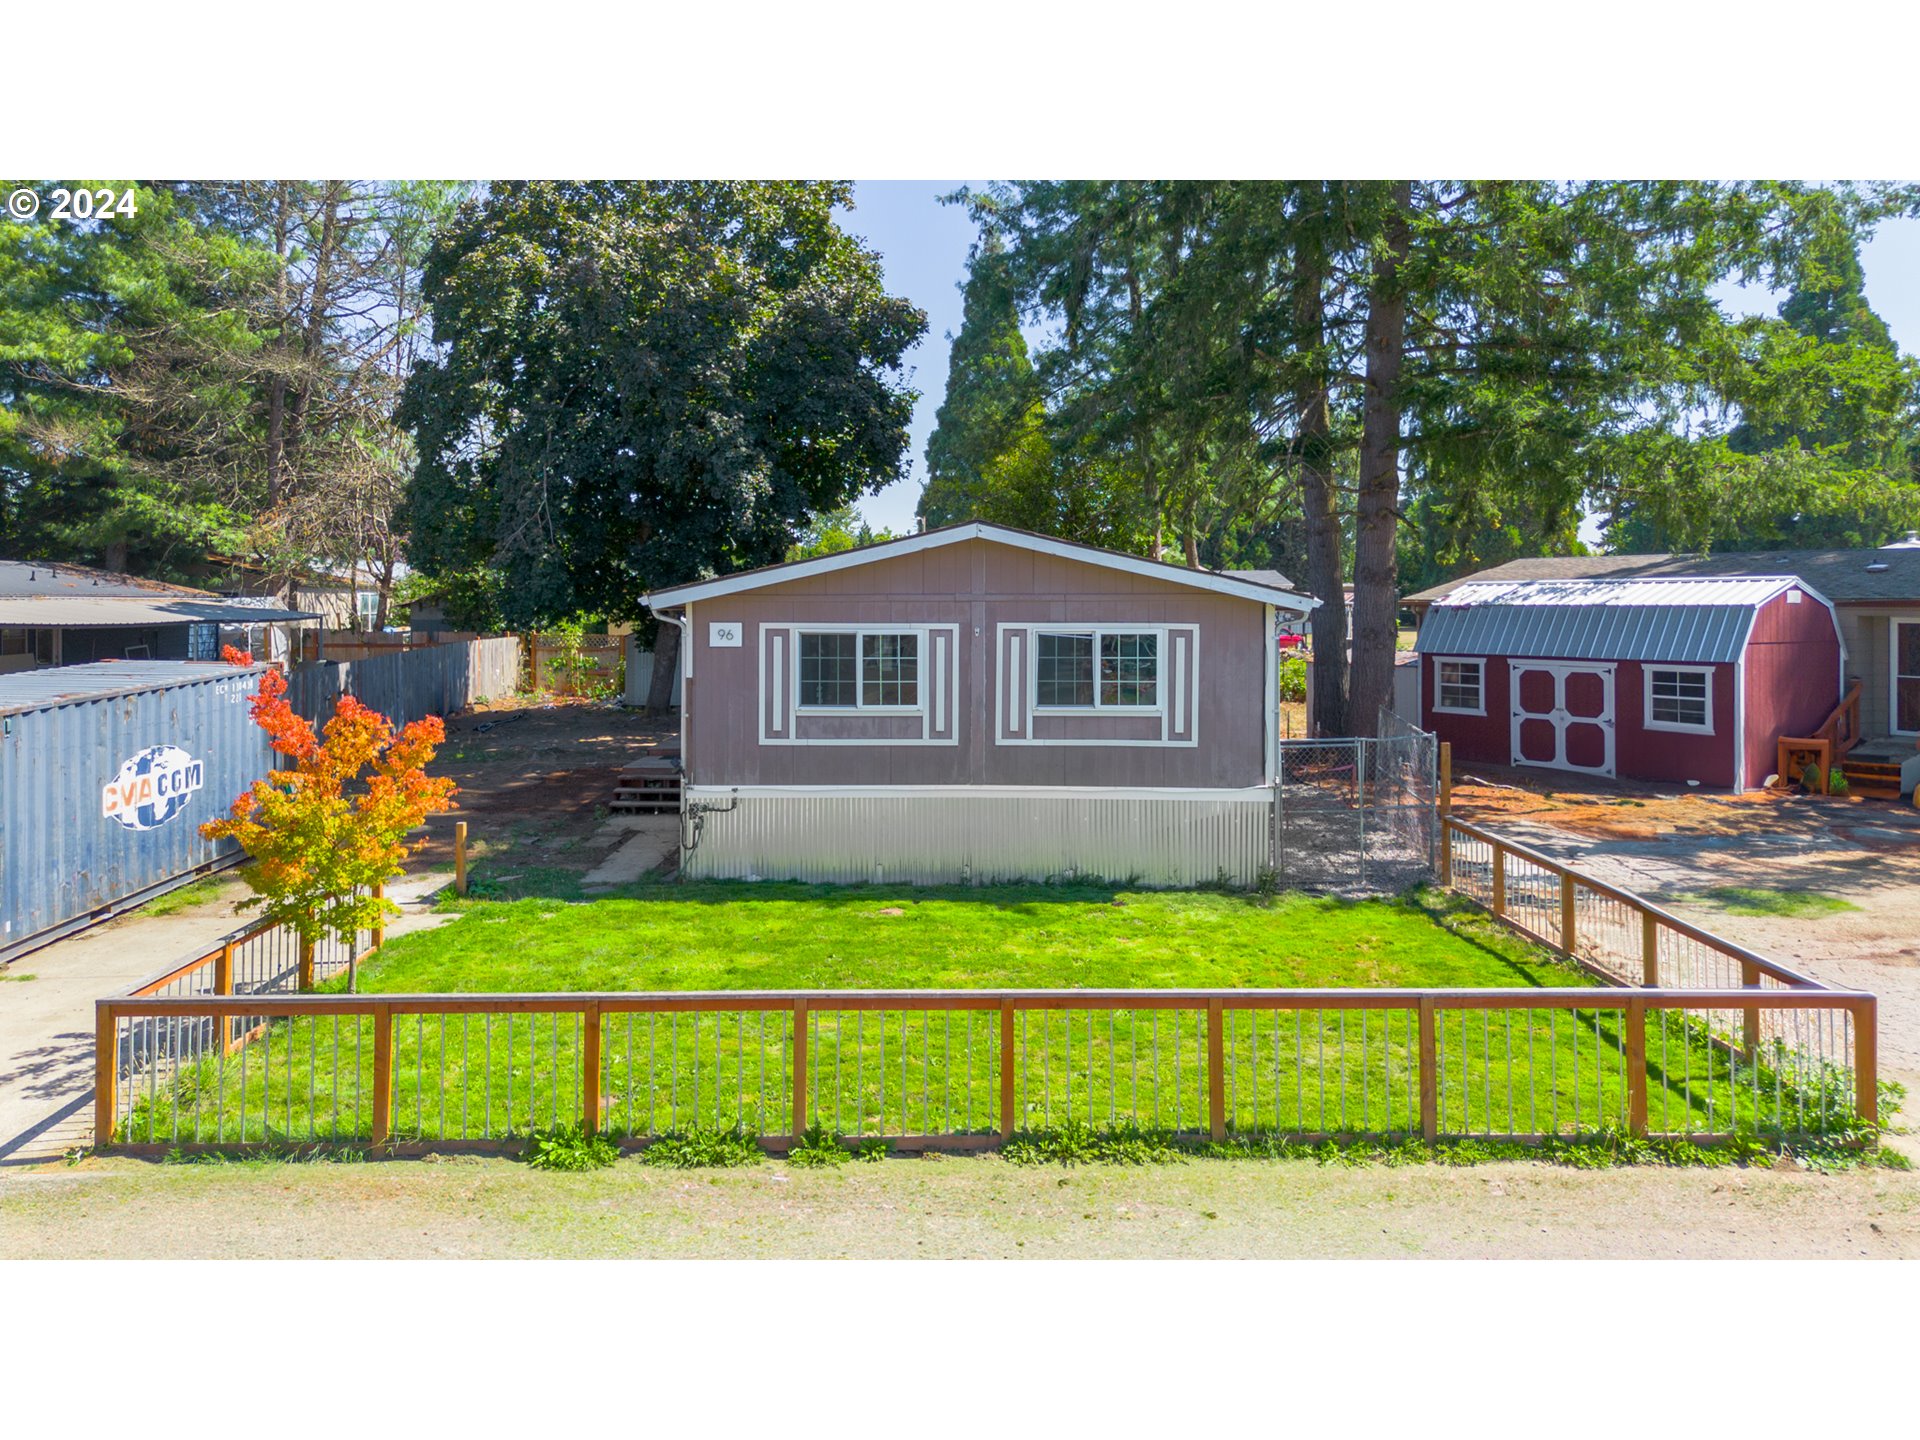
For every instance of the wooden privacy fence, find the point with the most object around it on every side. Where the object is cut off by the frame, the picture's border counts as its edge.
(411, 684)
(972, 1068)
(575, 664)
(367, 644)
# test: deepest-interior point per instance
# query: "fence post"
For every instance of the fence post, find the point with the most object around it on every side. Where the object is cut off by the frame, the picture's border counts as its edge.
(223, 985)
(1866, 1060)
(1446, 780)
(382, 1074)
(1637, 1067)
(1006, 1070)
(1750, 1018)
(589, 1070)
(380, 922)
(1649, 950)
(459, 857)
(1446, 851)
(799, 1070)
(1499, 880)
(106, 1065)
(1429, 1071)
(1216, 1069)
(1567, 936)
(1360, 801)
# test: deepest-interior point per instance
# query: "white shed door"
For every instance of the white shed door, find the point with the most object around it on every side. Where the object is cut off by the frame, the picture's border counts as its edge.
(1563, 715)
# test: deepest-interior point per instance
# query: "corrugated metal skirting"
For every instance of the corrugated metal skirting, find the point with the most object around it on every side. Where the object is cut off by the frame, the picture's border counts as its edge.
(925, 839)
(63, 855)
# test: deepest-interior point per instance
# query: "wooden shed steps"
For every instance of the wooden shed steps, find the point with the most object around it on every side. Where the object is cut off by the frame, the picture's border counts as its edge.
(650, 786)
(1872, 779)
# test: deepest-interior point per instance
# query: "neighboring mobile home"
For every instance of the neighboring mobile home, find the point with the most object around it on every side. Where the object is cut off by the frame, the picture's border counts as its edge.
(978, 703)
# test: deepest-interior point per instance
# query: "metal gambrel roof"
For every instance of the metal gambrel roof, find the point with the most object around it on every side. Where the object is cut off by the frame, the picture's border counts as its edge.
(1701, 622)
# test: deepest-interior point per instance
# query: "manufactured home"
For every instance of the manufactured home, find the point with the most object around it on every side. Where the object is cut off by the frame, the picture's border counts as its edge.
(979, 703)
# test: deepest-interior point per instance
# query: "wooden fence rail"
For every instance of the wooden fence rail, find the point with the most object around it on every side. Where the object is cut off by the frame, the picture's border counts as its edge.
(1582, 917)
(464, 1069)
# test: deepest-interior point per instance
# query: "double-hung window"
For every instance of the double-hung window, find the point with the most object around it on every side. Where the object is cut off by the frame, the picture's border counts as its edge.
(859, 670)
(1096, 670)
(1680, 698)
(1460, 687)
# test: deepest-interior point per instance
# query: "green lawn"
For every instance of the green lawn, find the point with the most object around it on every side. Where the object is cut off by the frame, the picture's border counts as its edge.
(1758, 900)
(736, 936)
(896, 1072)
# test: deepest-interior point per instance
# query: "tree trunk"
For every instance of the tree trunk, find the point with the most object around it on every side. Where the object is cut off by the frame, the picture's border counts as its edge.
(277, 385)
(1319, 501)
(666, 665)
(1375, 581)
(314, 329)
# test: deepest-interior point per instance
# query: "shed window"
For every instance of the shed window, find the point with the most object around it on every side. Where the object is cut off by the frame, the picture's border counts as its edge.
(203, 642)
(1097, 669)
(1461, 686)
(853, 670)
(1680, 699)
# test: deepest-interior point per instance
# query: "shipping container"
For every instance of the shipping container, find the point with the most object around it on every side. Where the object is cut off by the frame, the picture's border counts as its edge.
(106, 773)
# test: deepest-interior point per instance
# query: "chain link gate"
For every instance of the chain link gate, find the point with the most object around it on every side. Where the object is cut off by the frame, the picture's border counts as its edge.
(1358, 815)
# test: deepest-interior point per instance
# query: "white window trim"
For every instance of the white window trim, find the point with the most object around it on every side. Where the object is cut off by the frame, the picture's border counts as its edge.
(1649, 670)
(1894, 677)
(1098, 707)
(859, 707)
(1479, 662)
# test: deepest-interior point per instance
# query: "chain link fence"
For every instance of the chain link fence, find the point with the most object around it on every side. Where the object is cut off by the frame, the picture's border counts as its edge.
(1358, 815)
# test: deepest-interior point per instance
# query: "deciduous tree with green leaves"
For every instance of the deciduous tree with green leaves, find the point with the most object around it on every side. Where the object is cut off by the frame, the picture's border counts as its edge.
(640, 384)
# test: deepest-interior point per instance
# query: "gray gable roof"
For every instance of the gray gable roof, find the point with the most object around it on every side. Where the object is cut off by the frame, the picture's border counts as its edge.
(22, 578)
(1842, 576)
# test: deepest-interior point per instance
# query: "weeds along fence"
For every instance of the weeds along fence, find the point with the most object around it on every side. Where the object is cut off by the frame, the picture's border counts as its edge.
(971, 1068)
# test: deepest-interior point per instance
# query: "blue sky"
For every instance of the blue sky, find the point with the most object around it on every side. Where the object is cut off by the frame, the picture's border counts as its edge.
(924, 246)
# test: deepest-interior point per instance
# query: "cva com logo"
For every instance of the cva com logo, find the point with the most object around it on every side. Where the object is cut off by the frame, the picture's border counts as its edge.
(152, 787)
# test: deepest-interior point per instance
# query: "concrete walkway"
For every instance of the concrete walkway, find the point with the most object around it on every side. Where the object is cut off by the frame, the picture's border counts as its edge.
(46, 1009)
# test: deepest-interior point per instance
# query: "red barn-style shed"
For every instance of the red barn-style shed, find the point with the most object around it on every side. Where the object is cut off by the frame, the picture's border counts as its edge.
(1678, 680)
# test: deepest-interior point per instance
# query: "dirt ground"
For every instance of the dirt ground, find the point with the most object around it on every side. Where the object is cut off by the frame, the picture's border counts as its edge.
(536, 778)
(955, 1207)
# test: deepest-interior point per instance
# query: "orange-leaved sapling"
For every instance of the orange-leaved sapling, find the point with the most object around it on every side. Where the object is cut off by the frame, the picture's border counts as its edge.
(325, 832)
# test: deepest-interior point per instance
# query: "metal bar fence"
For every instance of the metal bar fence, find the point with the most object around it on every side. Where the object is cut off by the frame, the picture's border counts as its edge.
(1615, 934)
(971, 1068)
